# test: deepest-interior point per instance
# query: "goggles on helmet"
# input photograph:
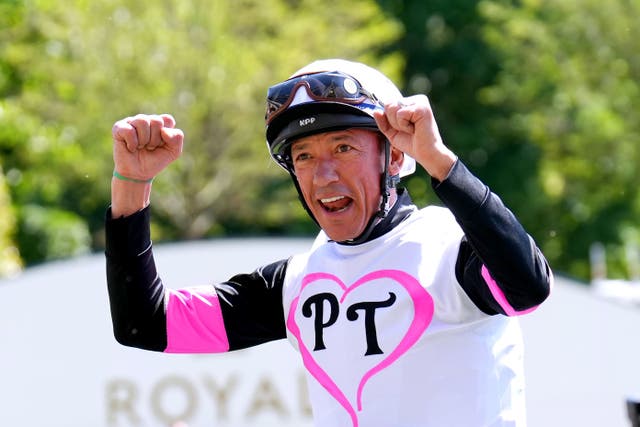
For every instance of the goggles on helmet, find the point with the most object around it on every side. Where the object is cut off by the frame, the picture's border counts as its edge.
(333, 86)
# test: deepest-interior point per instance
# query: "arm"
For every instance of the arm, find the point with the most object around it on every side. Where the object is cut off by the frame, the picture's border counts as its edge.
(499, 266)
(245, 311)
(136, 293)
(143, 146)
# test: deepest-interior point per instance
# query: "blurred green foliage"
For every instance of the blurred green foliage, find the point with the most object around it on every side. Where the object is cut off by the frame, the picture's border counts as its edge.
(537, 97)
(69, 70)
(9, 256)
(570, 81)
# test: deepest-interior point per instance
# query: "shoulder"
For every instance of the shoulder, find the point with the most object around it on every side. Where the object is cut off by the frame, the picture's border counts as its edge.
(434, 212)
(435, 219)
(320, 240)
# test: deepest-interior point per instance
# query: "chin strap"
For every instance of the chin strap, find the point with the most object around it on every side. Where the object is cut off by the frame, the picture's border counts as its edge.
(386, 184)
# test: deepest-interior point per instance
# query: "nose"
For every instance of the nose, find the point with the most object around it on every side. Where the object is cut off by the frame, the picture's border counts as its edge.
(325, 173)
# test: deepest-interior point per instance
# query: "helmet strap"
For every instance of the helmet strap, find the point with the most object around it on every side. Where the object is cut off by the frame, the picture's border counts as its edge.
(386, 182)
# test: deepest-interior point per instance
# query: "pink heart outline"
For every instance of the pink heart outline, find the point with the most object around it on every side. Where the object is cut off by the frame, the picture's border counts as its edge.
(423, 314)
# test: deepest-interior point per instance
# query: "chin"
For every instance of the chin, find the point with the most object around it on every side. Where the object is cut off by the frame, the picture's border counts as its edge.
(340, 237)
(341, 229)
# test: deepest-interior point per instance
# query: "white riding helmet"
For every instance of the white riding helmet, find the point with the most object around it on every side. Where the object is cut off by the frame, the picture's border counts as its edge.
(326, 95)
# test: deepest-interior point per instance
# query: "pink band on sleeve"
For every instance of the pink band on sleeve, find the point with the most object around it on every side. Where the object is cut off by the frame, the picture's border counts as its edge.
(499, 296)
(194, 322)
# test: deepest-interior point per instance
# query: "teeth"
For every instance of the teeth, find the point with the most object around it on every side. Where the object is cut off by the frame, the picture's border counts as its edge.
(332, 199)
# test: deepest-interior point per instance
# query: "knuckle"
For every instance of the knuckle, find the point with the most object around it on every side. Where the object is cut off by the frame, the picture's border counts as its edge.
(139, 120)
(156, 119)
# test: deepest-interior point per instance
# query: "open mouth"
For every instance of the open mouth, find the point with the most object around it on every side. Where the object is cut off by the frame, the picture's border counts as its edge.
(336, 204)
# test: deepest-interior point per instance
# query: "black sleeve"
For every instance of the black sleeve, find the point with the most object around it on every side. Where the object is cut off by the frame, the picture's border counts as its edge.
(496, 239)
(136, 293)
(251, 304)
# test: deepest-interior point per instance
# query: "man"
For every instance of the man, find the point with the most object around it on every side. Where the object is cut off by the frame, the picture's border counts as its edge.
(402, 317)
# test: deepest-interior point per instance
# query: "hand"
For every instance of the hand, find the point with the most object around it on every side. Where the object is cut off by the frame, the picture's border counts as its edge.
(143, 145)
(410, 126)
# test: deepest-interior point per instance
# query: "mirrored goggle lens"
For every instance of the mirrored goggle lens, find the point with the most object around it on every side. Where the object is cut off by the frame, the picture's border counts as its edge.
(334, 86)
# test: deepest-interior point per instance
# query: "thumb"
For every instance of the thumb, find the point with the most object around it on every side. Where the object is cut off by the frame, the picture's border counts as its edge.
(171, 136)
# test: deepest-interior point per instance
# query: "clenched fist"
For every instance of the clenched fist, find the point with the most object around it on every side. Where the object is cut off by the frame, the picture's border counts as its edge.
(410, 126)
(143, 145)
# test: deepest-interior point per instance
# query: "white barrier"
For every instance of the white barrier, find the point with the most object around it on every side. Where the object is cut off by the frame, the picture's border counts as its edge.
(60, 365)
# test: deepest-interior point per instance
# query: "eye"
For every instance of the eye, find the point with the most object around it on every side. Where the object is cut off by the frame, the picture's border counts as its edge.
(301, 157)
(343, 148)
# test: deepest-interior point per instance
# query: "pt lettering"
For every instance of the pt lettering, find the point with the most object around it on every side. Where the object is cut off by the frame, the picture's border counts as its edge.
(318, 323)
(315, 306)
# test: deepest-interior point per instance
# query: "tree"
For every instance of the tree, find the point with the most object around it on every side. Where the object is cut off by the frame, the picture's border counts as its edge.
(536, 97)
(569, 77)
(9, 256)
(78, 66)
(35, 154)
(447, 59)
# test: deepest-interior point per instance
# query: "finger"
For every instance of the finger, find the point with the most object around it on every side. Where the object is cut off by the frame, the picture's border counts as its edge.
(406, 112)
(405, 119)
(173, 138)
(382, 122)
(422, 117)
(168, 120)
(155, 139)
(142, 127)
(124, 133)
(391, 113)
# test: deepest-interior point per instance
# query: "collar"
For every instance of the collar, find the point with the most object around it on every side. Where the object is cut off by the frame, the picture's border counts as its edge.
(400, 211)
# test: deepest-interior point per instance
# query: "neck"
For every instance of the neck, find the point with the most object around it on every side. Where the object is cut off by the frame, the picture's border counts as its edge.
(400, 206)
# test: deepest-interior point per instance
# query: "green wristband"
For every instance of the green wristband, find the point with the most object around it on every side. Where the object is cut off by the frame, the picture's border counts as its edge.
(126, 178)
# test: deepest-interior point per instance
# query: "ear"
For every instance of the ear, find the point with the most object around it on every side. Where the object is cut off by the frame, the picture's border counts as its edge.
(395, 162)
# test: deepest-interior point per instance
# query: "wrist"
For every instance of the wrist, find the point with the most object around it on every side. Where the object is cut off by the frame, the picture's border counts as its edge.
(128, 197)
(439, 164)
(121, 177)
